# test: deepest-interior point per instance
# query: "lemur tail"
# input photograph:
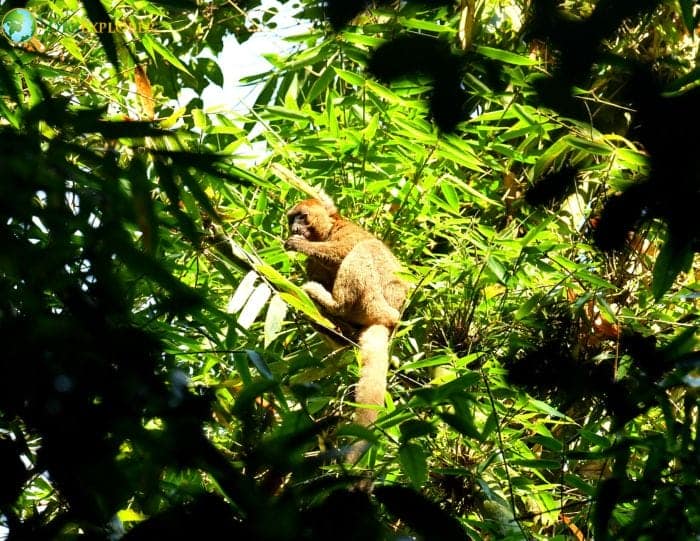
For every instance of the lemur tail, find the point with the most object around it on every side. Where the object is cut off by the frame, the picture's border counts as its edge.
(371, 387)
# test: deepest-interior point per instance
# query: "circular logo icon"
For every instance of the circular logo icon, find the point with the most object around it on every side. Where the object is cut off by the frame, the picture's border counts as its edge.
(19, 25)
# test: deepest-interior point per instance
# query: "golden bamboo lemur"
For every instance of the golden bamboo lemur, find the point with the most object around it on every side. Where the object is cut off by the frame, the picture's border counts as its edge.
(352, 277)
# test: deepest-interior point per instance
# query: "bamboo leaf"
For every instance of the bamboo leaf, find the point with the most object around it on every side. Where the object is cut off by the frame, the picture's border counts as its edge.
(414, 463)
(506, 57)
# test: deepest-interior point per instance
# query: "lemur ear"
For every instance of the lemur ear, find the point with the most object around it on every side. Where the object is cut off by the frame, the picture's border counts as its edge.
(327, 202)
(315, 192)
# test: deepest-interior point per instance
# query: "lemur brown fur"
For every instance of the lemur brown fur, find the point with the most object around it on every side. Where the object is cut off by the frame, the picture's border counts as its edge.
(352, 277)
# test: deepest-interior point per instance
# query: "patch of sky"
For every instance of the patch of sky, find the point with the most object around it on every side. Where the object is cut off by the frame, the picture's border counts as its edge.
(240, 60)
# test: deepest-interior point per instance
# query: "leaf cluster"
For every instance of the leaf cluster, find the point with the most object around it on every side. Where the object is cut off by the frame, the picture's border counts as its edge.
(162, 371)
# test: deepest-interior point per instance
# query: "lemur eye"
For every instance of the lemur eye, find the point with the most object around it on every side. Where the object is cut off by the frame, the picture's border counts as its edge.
(298, 217)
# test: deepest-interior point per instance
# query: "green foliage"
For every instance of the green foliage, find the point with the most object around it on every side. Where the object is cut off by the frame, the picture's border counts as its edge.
(162, 369)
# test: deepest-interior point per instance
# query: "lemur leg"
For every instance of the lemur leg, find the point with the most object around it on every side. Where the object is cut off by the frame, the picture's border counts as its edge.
(321, 296)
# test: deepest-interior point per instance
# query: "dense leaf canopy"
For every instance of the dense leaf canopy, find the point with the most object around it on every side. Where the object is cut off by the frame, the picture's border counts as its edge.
(532, 163)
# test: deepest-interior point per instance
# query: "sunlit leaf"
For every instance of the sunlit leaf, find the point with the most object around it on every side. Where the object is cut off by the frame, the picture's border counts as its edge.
(156, 50)
(505, 56)
(350, 77)
(276, 312)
